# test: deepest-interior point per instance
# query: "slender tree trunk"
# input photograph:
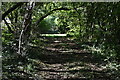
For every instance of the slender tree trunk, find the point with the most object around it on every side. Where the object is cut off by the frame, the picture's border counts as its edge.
(24, 36)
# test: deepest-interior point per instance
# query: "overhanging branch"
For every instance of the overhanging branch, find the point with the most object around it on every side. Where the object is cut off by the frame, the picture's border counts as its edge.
(9, 28)
(49, 14)
(11, 9)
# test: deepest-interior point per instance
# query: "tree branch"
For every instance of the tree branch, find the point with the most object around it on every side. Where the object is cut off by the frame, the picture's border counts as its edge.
(9, 28)
(49, 14)
(11, 9)
(25, 33)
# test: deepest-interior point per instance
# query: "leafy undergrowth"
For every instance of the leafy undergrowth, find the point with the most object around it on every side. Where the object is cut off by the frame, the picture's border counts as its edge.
(59, 59)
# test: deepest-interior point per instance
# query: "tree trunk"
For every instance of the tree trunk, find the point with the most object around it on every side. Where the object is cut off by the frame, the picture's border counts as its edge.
(26, 29)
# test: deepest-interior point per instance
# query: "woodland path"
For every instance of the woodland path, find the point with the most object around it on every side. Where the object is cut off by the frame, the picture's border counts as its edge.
(63, 59)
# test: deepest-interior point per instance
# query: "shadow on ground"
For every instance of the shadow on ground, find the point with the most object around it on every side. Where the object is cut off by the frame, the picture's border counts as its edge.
(68, 61)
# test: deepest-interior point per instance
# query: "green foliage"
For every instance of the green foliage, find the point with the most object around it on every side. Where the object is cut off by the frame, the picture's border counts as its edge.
(97, 25)
(44, 26)
(47, 25)
(94, 22)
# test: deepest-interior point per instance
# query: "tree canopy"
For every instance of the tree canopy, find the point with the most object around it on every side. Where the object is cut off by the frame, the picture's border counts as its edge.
(91, 25)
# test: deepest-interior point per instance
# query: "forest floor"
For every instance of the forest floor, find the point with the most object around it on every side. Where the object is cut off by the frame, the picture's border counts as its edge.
(64, 59)
(57, 59)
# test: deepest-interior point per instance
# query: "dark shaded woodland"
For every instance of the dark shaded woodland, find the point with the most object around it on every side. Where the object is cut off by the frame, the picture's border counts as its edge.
(60, 41)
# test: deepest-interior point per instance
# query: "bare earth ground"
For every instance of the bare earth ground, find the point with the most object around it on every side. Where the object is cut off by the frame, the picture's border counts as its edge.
(57, 59)
(63, 59)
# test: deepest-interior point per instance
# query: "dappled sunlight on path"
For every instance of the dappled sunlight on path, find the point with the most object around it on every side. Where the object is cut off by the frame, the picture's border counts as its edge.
(67, 61)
